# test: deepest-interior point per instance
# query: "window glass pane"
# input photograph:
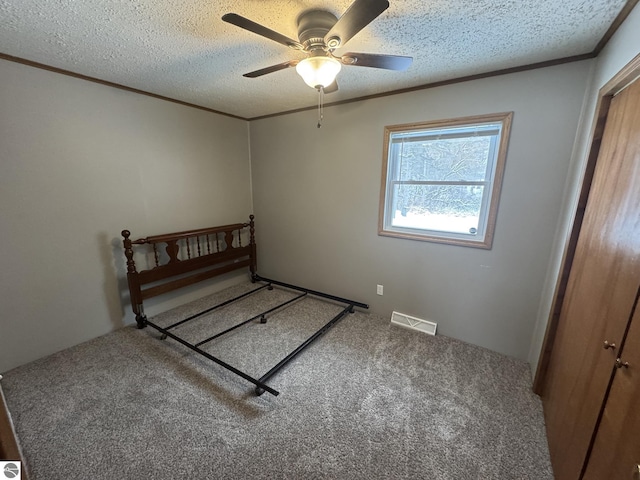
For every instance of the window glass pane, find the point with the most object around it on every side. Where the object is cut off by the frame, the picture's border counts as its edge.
(448, 159)
(443, 208)
(441, 179)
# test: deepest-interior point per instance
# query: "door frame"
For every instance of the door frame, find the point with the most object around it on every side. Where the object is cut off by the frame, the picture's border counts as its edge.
(626, 76)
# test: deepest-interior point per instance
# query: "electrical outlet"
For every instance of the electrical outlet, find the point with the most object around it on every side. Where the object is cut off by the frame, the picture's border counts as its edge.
(379, 289)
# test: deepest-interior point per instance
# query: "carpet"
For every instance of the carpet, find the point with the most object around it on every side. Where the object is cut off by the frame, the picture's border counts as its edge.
(368, 400)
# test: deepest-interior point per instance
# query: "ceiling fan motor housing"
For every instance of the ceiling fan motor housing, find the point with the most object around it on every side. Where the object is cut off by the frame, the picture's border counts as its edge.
(313, 25)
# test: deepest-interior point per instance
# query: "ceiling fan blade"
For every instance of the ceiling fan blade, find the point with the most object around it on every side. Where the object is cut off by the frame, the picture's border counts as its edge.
(271, 69)
(388, 62)
(332, 87)
(254, 27)
(360, 14)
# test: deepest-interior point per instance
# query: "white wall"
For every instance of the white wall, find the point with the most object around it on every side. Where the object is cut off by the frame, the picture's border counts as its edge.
(621, 49)
(316, 195)
(79, 162)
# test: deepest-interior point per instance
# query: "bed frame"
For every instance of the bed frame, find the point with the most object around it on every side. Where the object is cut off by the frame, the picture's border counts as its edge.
(185, 258)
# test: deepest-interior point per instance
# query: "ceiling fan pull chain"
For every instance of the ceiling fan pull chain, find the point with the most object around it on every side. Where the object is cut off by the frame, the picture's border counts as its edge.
(320, 105)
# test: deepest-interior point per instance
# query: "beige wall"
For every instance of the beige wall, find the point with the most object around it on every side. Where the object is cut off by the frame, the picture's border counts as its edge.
(316, 194)
(621, 49)
(79, 162)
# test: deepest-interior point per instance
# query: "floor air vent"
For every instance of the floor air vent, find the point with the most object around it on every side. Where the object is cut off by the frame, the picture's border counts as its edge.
(414, 323)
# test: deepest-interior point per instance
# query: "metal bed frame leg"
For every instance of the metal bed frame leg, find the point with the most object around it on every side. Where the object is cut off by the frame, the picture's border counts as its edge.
(141, 318)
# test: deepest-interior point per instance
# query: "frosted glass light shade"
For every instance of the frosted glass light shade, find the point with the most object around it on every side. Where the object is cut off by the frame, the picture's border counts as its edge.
(318, 71)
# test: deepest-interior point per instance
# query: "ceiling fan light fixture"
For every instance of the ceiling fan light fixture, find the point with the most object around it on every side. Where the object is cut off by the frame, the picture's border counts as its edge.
(318, 71)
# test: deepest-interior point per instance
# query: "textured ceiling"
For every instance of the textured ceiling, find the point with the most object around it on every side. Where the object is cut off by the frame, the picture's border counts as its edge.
(181, 49)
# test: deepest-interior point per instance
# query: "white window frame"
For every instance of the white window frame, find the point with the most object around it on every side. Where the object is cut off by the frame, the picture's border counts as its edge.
(483, 237)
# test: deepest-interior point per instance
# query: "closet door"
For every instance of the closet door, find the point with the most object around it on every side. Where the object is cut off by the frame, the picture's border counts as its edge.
(616, 452)
(600, 294)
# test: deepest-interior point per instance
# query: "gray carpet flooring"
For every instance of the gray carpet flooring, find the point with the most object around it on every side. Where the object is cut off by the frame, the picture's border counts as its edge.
(369, 400)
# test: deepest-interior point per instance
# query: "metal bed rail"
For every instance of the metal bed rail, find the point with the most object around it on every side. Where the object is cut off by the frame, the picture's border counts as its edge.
(260, 384)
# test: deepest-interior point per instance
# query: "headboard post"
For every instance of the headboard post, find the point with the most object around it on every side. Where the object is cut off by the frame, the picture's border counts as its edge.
(253, 268)
(128, 251)
(134, 285)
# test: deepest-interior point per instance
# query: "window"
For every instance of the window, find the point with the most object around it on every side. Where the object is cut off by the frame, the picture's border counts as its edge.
(441, 180)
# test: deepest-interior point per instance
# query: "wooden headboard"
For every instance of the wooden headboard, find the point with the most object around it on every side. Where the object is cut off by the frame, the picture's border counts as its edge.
(185, 258)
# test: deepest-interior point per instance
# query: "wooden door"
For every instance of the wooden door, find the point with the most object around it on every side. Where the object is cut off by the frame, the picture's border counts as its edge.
(616, 452)
(600, 293)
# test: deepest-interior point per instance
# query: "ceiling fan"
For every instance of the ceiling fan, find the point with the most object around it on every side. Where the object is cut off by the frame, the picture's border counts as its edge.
(319, 34)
